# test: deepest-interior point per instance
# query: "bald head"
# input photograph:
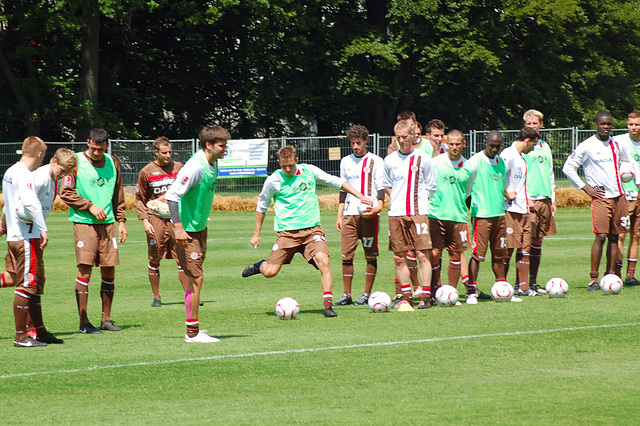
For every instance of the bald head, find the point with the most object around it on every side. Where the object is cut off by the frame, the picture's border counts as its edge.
(493, 143)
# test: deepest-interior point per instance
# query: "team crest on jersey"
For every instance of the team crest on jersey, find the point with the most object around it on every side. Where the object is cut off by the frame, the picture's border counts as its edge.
(185, 180)
(29, 185)
(67, 180)
(540, 159)
(414, 168)
(137, 187)
(303, 186)
(366, 170)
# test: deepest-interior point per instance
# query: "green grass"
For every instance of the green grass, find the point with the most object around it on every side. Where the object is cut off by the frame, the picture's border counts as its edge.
(443, 365)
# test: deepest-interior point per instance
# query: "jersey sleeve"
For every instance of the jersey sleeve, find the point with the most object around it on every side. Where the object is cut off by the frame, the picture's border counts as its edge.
(142, 188)
(325, 177)
(30, 201)
(269, 190)
(571, 165)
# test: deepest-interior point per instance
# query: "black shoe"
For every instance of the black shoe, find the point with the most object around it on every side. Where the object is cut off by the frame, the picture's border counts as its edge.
(631, 281)
(362, 300)
(424, 304)
(527, 292)
(344, 300)
(109, 325)
(535, 287)
(593, 286)
(88, 328)
(156, 302)
(201, 303)
(482, 296)
(49, 338)
(252, 269)
(330, 313)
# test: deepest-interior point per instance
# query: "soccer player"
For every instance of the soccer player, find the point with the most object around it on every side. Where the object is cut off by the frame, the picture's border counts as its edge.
(153, 182)
(435, 136)
(27, 201)
(631, 142)
(297, 220)
(600, 158)
(541, 187)
(448, 214)
(363, 170)
(190, 198)
(409, 179)
(95, 197)
(487, 186)
(516, 205)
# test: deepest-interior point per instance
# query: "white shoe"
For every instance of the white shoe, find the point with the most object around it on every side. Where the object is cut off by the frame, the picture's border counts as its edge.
(201, 337)
(515, 299)
(458, 303)
(472, 299)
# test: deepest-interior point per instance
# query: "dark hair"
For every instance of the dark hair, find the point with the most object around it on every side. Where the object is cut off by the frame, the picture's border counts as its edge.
(528, 133)
(99, 136)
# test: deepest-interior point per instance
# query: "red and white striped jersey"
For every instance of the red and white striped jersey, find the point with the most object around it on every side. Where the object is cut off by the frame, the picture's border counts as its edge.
(412, 180)
(364, 174)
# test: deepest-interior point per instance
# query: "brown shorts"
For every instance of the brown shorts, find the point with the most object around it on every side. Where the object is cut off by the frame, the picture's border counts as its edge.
(308, 242)
(96, 245)
(518, 231)
(24, 262)
(162, 246)
(192, 256)
(610, 215)
(446, 234)
(543, 223)
(357, 228)
(408, 233)
(634, 212)
(487, 230)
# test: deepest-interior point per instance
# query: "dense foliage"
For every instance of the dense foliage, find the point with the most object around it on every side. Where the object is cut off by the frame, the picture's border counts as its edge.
(141, 68)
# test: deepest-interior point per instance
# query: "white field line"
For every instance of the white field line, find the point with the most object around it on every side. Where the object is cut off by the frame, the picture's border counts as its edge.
(303, 350)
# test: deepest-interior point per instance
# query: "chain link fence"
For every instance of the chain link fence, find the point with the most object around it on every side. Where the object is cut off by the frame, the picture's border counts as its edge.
(135, 154)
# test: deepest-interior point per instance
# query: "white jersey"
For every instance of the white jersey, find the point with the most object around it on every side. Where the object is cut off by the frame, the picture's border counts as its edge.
(516, 173)
(271, 185)
(632, 150)
(20, 194)
(46, 188)
(412, 180)
(364, 174)
(600, 162)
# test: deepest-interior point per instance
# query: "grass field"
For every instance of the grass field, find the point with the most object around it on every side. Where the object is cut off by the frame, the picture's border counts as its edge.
(542, 361)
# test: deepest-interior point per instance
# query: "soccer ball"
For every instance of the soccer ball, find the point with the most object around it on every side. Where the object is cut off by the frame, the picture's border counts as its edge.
(611, 284)
(557, 287)
(626, 171)
(501, 291)
(379, 302)
(160, 208)
(447, 295)
(287, 308)
(363, 208)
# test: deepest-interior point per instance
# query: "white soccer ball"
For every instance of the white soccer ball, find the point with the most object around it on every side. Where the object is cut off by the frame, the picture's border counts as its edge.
(379, 302)
(447, 295)
(363, 208)
(287, 308)
(626, 171)
(160, 208)
(557, 287)
(501, 291)
(611, 284)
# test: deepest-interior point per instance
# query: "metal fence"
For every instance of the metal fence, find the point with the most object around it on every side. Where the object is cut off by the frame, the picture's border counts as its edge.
(135, 154)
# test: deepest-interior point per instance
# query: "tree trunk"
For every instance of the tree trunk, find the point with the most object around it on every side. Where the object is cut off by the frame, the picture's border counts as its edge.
(89, 70)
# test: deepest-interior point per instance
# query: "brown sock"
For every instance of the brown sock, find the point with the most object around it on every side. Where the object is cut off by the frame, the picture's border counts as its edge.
(328, 299)
(20, 312)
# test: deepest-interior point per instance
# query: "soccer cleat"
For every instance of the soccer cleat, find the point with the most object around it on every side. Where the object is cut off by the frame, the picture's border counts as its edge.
(538, 289)
(399, 298)
(252, 269)
(49, 338)
(330, 313)
(344, 300)
(516, 287)
(424, 304)
(109, 325)
(88, 328)
(156, 302)
(29, 342)
(527, 292)
(201, 337)
(201, 303)
(362, 300)
(482, 296)
(631, 281)
(472, 299)
(515, 299)
(593, 285)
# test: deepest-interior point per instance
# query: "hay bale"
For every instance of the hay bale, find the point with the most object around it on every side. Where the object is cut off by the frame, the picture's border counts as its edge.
(572, 197)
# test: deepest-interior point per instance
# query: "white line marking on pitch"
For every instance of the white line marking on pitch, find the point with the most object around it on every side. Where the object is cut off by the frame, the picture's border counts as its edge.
(326, 348)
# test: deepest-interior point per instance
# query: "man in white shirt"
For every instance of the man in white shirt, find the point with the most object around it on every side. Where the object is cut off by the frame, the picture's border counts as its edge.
(600, 158)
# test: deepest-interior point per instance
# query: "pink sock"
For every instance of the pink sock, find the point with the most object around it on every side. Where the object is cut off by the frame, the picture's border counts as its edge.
(187, 302)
